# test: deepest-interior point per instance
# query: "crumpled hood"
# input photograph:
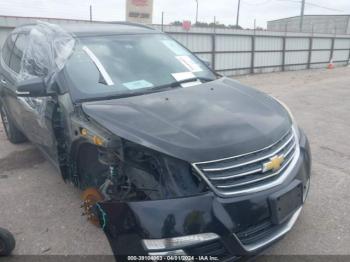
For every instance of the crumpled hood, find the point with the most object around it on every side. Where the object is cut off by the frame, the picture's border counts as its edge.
(211, 121)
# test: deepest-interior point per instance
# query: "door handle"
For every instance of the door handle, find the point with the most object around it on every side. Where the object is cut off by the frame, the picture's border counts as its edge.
(3, 81)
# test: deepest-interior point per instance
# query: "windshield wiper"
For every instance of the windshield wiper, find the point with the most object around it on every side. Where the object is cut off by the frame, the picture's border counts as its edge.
(179, 83)
(189, 80)
(152, 90)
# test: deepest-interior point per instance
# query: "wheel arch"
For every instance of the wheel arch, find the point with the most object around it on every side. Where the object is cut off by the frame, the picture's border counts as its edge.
(88, 168)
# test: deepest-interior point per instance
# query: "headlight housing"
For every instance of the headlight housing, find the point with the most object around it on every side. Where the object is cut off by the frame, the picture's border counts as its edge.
(158, 175)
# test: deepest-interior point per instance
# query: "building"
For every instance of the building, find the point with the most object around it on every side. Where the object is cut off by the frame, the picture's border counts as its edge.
(327, 24)
(139, 11)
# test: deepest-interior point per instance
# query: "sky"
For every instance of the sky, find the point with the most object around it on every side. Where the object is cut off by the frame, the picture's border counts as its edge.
(223, 10)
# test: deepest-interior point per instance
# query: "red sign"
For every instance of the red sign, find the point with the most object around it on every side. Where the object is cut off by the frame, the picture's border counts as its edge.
(186, 25)
(140, 2)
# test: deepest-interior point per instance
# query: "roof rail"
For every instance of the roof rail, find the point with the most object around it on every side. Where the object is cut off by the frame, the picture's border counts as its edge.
(131, 24)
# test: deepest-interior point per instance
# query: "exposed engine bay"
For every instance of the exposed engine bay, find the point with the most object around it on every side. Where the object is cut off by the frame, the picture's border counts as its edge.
(131, 173)
(139, 174)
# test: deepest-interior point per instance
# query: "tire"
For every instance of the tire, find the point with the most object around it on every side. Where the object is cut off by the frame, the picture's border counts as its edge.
(12, 132)
(7, 242)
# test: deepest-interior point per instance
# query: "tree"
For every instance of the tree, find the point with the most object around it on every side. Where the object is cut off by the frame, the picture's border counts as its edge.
(177, 23)
(259, 28)
(235, 27)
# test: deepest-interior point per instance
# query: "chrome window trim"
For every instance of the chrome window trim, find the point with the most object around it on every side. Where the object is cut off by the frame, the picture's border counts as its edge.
(270, 239)
(99, 65)
(253, 189)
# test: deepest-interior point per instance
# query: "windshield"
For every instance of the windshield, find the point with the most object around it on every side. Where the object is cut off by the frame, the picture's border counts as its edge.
(123, 65)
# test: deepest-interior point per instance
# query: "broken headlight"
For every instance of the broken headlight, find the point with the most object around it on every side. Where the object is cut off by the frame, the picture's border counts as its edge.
(158, 176)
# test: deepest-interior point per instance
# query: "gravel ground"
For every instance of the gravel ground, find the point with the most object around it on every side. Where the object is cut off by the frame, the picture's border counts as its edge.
(44, 213)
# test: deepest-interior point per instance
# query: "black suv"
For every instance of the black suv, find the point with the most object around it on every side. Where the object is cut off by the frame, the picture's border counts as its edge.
(172, 158)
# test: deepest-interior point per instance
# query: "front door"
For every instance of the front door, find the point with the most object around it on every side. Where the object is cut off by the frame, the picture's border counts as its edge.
(33, 115)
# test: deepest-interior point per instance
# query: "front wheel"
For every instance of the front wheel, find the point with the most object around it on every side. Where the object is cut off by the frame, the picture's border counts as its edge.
(14, 135)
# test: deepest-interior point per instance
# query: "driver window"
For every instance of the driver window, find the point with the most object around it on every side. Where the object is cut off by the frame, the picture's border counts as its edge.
(17, 53)
(7, 49)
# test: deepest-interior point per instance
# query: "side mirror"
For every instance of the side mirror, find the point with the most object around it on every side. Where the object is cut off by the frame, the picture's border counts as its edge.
(34, 87)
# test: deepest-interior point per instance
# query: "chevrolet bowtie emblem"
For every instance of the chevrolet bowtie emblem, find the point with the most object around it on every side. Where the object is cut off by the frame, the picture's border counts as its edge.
(274, 164)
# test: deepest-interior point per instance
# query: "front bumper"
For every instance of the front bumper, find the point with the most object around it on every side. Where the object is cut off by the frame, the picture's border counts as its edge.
(243, 224)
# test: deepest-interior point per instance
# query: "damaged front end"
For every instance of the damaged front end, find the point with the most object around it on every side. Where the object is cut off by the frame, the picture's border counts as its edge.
(139, 174)
(129, 172)
(150, 203)
(118, 175)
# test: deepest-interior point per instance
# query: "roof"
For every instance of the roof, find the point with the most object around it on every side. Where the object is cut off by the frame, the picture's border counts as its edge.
(291, 17)
(113, 28)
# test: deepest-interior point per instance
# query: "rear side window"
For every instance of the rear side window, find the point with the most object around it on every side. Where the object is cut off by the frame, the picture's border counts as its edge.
(17, 53)
(7, 48)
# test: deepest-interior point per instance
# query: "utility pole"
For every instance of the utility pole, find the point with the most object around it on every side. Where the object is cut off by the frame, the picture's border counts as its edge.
(302, 15)
(90, 13)
(238, 9)
(197, 11)
(254, 25)
(162, 21)
(214, 24)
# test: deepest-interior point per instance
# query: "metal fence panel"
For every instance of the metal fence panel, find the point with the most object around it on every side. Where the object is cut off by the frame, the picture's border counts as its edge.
(341, 55)
(297, 43)
(236, 72)
(296, 67)
(196, 43)
(320, 56)
(206, 57)
(259, 52)
(321, 43)
(265, 70)
(233, 43)
(297, 57)
(233, 52)
(342, 43)
(268, 43)
(233, 60)
(268, 59)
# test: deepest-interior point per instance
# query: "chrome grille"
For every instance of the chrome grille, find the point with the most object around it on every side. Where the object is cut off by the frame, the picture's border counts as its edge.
(244, 173)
